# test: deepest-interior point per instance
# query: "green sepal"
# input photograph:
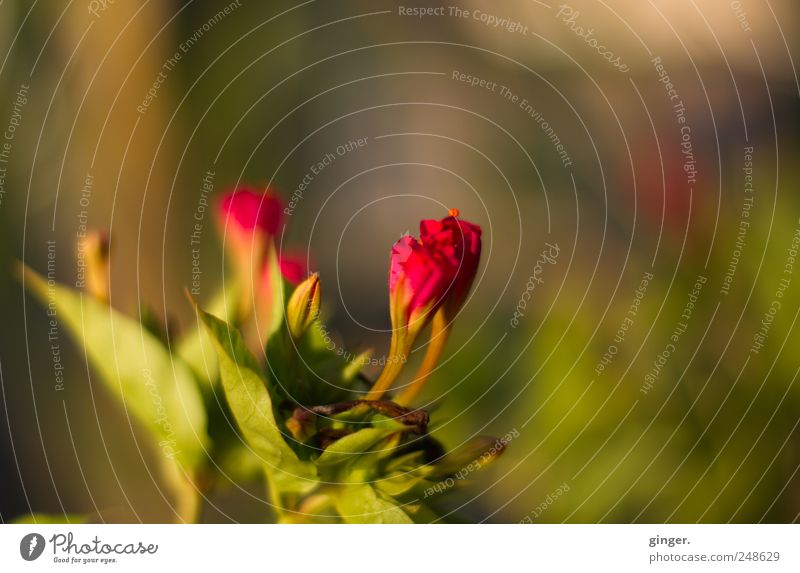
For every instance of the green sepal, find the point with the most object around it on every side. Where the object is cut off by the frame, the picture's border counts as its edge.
(345, 452)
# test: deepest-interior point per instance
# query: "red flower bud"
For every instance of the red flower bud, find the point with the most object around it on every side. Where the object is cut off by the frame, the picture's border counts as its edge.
(418, 281)
(244, 210)
(459, 242)
(438, 269)
(428, 277)
(251, 220)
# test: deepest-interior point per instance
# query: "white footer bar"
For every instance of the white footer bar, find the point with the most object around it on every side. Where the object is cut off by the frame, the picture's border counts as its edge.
(406, 549)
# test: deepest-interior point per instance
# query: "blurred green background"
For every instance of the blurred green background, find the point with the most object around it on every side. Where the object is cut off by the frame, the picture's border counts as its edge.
(265, 92)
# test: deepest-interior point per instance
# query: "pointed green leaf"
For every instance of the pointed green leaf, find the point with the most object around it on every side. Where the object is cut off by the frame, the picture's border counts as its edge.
(348, 448)
(251, 405)
(196, 348)
(406, 462)
(156, 387)
(362, 504)
(401, 483)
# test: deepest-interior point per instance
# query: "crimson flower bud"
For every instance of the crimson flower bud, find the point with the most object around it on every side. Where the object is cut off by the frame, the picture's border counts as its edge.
(460, 243)
(251, 219)
(418, 282)
(429, 279)
(245, 211)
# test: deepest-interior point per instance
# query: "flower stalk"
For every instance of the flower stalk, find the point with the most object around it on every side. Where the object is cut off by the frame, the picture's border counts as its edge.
(440, 332)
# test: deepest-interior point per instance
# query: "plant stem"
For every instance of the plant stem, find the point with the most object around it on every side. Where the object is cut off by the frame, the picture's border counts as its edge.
(398, 355)
(440, 332)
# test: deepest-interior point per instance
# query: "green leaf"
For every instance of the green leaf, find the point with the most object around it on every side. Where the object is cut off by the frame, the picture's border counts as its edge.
(401, 483)
(156, 387)
(348, 449)
(406, 462)
(362, 504)
(196, 348)
(250, 402)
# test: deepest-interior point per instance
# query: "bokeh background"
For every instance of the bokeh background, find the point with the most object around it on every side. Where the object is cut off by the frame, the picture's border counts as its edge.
(262, 94)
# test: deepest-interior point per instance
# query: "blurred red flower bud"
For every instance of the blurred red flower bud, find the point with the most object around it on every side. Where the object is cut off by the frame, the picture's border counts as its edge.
(246, 210)
(251, 220)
